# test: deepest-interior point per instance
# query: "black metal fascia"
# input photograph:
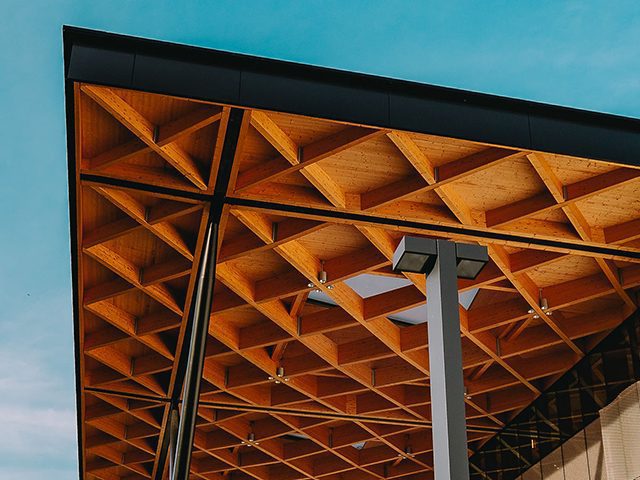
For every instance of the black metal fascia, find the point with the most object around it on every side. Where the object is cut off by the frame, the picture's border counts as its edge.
(254, 82)
(73, 240)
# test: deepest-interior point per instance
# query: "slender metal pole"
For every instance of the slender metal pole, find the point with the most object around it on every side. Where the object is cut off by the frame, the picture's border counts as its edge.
(174, 420)
(445, 367)
(195, 359)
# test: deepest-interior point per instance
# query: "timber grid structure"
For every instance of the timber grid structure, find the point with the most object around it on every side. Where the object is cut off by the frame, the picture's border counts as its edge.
(211, 192)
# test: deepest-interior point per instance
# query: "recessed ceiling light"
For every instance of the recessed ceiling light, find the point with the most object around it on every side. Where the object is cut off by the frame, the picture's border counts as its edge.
(251, 440)
(279, 376)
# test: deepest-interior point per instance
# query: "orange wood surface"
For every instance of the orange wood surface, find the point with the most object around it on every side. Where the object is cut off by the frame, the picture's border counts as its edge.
(355, 376)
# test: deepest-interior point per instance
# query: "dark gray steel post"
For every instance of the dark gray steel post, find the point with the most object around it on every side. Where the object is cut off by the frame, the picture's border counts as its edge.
(195, 360)
(449, 432)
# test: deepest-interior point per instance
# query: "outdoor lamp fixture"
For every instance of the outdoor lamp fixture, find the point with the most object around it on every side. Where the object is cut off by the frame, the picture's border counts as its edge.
(544, 306)
(471, 259)
(408, 452)
(415, 255)
(443, 262)
(418, 255)
(467, 395)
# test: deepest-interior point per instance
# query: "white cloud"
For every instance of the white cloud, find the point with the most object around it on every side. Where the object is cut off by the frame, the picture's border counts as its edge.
(33, 412)
(28, 431)
(31, 378)
(37, 408)
(34, 473)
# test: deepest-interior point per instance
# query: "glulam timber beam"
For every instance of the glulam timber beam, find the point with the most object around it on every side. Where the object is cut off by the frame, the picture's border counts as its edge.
(570, 194)
(146, 132)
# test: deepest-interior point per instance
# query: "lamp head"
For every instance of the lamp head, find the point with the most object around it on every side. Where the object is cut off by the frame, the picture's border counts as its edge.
(418, 255)
(415, 255)
(471, 259)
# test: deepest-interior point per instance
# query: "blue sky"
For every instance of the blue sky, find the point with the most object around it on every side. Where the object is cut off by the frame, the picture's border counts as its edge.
(578, 53)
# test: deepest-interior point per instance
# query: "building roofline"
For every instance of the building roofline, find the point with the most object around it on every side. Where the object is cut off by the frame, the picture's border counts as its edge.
(247, 81)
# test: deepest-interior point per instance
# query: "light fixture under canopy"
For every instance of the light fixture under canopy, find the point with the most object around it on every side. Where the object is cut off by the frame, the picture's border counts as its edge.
(471, 259)
(415, 255)
(418, 255)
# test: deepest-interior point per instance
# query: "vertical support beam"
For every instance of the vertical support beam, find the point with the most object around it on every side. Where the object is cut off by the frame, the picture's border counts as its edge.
(201, 314)
(177, 439)
(201, 311)
(445, 367)
(174, 420)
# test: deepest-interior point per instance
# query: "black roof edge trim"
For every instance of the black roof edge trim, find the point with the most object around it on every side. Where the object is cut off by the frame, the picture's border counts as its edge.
(73, 245)
(249, 81)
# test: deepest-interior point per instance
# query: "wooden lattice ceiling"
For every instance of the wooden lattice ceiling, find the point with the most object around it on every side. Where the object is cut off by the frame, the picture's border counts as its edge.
(357, 394)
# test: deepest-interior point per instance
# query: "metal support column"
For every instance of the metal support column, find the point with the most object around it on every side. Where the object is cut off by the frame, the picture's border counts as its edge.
(450, 457)
(174, 420)
(195, 360)
(179, 427)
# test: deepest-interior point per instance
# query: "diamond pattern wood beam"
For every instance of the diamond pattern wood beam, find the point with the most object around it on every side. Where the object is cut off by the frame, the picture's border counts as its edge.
(433, 177)
(299, 158)
(146, 131)
(578, 221)
(327, 384)
(569, 194)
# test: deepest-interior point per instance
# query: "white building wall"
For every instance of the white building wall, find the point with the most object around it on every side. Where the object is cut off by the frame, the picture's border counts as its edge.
(621, 435)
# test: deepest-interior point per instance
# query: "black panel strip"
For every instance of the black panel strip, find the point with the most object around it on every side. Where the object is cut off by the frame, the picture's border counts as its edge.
(243, 202)
(73, 238)
(243, 80)
(226, 160)
(144, 187)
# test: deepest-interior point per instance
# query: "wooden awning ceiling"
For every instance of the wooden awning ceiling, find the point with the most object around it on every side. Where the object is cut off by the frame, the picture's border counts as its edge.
(308, 194)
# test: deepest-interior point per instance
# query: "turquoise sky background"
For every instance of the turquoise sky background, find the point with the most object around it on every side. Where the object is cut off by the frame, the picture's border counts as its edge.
(579, 53)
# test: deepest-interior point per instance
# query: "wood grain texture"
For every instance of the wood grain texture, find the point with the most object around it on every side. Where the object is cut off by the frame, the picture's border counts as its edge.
(353, 373)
